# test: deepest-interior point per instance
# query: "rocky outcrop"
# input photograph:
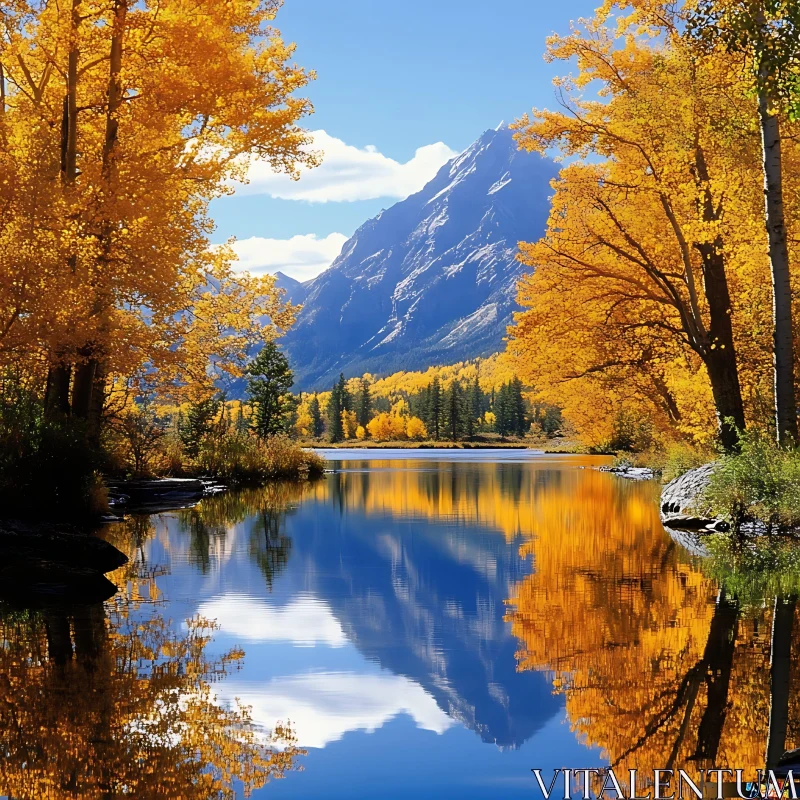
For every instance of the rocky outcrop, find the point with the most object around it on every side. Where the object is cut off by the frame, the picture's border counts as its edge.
(45, 564)
(683, 503)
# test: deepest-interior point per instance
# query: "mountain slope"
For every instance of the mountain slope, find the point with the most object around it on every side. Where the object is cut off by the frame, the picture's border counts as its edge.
(433, 278)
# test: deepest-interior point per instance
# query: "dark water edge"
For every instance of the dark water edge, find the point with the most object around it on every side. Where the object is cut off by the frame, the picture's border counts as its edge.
(431, 624)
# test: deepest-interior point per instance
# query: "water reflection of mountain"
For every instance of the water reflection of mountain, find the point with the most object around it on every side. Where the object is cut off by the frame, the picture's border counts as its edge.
(425, 598)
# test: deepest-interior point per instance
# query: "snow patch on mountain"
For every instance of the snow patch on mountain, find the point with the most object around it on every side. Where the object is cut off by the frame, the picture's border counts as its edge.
(431, 279)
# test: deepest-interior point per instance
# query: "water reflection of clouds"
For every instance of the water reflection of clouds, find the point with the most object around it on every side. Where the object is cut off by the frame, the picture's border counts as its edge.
(324, 706)
(304, 621)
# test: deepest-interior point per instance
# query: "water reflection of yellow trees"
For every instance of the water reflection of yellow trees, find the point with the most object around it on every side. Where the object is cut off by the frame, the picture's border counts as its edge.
(659, 663)
(97, 705)
(507, 497)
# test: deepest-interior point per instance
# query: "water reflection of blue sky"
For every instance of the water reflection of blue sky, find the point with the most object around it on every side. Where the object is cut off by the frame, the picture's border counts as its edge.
(383, 642)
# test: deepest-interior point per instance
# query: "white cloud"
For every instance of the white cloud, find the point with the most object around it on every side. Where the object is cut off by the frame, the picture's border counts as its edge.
(305, 621)
(349, 173)
(301, 257)
(323, 706)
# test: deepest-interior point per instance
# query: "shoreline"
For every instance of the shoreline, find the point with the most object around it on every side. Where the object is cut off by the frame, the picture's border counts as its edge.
(405, 445)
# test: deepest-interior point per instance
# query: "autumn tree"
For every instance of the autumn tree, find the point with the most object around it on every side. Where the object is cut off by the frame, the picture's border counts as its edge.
(268, 384)
(767, 33)
(121, 136)
(648, 262)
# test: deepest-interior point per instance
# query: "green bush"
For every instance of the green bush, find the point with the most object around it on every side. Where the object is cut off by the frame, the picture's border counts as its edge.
(760, 482)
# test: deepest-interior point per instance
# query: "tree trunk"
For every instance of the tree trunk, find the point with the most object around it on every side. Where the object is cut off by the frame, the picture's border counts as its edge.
(719, 349)
(83, 385)
(780, 673)
(718, 658)
(785, 402)
(57, 391)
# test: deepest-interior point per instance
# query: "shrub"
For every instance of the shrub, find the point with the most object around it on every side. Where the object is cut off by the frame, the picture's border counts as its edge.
(46, 467)
(760, 482)
(241, 458)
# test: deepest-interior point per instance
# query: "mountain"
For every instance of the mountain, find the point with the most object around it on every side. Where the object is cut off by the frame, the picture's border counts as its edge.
(295, 290)
(431, 279)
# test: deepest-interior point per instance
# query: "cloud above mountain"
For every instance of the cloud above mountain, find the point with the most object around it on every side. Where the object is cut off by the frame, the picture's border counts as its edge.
(349, 173)
(301, 257)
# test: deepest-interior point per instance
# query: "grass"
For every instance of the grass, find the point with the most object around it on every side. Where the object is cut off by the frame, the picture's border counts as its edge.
(243, 459)
(759, 483)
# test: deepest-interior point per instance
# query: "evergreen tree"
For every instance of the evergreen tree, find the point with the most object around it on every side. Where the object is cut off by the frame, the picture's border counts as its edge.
(504, 410)
(268, 384)
(435, 409)
(364, 404)
(334, 411)
(317, 424)
(345, 398)
(474, 407)
(198, 424)
(454, 423)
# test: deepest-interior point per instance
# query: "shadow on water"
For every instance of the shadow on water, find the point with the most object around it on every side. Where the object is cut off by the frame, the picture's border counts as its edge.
(109, 699)
(508, 593)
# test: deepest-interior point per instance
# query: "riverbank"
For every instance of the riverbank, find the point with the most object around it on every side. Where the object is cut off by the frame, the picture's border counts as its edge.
(567, 448)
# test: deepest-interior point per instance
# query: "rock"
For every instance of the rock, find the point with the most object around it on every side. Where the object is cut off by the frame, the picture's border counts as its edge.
(631, 473)
(683, 505)
(161, 494)
(57, 544)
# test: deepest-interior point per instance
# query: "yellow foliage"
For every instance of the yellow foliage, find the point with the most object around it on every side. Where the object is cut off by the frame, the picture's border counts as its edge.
(657, 215)
(349, 424)
(387, 427)
(361, 433)
(416, 430)
(105, 260)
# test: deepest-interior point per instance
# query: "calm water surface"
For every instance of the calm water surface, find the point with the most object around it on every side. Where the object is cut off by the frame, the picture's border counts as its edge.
(418, 624)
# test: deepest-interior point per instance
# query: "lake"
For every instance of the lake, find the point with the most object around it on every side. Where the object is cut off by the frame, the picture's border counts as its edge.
(419, 624)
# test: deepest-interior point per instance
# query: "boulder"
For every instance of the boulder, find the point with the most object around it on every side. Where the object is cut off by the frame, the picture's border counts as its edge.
(57, 544)
(683, 505)
(631, 473)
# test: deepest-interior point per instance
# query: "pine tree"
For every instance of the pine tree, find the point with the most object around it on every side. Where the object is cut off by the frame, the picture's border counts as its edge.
(364, 404)
(433, 418)
(474, 407)
(198, 424)
(503, 410)
(268, 385)
(454, 423)
(344, 396)
(317, 423)
(334, 412)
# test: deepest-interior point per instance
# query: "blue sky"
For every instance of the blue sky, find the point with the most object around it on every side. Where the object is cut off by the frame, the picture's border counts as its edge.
(401, 87)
